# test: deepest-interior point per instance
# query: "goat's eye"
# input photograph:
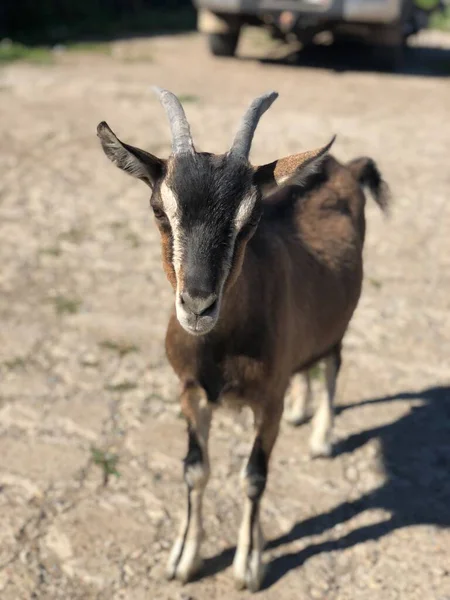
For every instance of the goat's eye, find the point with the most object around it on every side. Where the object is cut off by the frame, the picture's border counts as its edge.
(158, 212)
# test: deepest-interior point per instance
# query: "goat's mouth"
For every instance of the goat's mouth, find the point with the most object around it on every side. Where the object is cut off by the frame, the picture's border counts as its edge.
(197, 323)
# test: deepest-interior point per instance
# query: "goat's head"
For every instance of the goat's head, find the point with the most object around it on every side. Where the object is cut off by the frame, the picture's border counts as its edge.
(206, 206)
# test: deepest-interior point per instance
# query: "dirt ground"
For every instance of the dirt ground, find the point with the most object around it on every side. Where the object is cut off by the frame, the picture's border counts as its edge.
(83, 309)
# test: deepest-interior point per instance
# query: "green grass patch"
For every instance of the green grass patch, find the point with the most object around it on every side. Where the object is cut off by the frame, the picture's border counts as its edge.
(122, 348)
(107, 462)
(441, 20)
(124, 386)
(12, 51)
(51, 251)
(92, 47)
(19, 362)
(74, 235)
(375, 283)
(133, 239)
(66, 306)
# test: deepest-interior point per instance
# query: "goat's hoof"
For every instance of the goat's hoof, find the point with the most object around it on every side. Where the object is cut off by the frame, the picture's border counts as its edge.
(184, 573)
(320, 450)
(184, 563)
(252, 575)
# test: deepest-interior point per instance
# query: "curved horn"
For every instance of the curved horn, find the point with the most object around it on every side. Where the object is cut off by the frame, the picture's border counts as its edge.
(181, 134)
(243, 140)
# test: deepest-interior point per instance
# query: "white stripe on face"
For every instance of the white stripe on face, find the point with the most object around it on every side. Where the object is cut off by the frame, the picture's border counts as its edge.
(170, 206)
(241, 217)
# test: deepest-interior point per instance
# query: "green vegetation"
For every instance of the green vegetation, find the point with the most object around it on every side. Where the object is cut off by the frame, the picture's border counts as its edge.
(124, 386)
(51, 251)
(98, 47)
(75, 235)
(441, 20)
(66, 306)
(375, 283)
(133, 239)
(10, 51)
(122, 348)
(107, 463)
(19, 362)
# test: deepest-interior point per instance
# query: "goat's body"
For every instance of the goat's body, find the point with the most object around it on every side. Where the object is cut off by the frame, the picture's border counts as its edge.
(266, 265)
(299, 285)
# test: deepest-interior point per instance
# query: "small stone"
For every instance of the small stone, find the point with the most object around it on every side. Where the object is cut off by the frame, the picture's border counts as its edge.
(59, 48)
(351, 474)
(89, 360)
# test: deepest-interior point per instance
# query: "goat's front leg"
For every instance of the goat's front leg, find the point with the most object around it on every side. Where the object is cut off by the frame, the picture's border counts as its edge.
(248, 566)
(184, 560)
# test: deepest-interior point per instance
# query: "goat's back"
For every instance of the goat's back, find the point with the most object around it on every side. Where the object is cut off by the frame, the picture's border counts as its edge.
(323, 269)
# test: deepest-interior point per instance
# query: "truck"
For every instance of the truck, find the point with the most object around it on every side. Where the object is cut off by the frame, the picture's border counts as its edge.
(385, 24)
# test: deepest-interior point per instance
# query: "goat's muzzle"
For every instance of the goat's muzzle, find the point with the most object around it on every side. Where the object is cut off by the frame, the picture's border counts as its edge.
(197, 313)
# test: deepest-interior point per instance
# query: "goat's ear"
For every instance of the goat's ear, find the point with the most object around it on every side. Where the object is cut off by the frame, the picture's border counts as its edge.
(291, 170)
(133, 161)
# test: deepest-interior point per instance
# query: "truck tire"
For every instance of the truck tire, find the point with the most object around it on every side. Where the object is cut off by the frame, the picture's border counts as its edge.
(223, 44)
(391, 58)
(390, 46)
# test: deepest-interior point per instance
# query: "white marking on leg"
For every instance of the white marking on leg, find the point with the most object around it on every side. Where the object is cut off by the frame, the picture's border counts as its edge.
(247, 564)
(184, 560)
(301, 399)
(177, 550)
(190, 561)
(248, 567)
(320, 442)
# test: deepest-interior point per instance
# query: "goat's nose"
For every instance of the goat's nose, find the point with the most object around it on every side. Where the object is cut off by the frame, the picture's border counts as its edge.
(199, 305)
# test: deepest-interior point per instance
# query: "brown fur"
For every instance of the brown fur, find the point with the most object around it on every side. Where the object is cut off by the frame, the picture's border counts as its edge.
(291, 302)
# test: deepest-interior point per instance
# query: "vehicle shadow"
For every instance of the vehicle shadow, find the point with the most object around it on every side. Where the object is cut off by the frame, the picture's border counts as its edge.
(340, 57)
(91, 23)
(415, 452)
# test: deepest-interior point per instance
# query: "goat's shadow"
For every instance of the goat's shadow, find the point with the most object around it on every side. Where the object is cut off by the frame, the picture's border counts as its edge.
(415, 451)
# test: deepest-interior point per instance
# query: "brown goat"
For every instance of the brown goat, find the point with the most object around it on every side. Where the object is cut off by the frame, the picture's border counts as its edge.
(266, 264)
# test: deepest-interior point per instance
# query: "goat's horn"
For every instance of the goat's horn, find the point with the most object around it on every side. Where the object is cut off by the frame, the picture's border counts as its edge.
(181, 134)
(243, 140)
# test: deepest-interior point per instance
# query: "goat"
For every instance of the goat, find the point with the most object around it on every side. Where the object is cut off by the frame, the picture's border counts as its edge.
(266, 266)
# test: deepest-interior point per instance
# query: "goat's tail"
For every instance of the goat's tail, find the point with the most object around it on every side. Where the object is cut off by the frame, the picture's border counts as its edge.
(366, 172)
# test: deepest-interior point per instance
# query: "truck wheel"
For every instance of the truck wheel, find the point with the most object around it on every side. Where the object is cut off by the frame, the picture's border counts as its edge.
(392, 58)
(390, 46)
(223, 44)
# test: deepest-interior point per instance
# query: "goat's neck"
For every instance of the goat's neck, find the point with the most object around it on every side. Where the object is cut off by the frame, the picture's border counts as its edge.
(240, 300)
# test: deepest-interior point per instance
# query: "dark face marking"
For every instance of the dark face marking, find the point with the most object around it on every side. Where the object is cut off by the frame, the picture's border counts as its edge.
(211, 204)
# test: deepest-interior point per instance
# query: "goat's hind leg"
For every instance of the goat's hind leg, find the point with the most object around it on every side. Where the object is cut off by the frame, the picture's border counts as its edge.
(184, 560)
(322, 424)
(248, 566)
(298, 410)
